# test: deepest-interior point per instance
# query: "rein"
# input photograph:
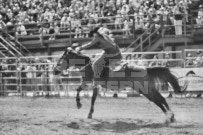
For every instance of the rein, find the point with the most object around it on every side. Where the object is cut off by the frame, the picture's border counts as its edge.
(85, 66)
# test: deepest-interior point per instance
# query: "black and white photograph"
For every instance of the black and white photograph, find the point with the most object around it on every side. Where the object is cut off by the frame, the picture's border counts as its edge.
(101, 67)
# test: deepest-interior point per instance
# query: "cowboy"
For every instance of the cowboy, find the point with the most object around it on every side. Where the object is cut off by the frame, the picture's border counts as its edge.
(111, 53)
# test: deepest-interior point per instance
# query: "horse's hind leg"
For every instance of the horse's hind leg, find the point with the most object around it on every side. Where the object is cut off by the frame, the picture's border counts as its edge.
(79, 105)
(161, 100)
(94, 96)
(160, 105)
(169, 113)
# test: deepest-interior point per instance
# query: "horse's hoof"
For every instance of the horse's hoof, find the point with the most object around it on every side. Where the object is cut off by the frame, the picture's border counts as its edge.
(167, 121)
(172, 118)
(79, 105)
(89, 116)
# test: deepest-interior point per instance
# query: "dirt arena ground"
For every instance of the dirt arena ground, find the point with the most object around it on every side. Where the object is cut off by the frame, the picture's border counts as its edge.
(130, 116)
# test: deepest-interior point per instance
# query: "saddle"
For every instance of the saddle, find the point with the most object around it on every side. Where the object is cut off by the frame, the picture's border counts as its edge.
(123, 65)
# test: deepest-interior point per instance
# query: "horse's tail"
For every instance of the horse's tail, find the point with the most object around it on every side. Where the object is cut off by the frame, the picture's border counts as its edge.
(164, 76)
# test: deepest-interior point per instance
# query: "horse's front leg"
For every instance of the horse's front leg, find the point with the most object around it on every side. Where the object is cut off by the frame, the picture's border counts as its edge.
(94, 96)
(79, 105)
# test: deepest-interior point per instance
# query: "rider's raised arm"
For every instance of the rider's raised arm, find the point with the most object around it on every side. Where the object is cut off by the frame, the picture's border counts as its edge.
(95, 40)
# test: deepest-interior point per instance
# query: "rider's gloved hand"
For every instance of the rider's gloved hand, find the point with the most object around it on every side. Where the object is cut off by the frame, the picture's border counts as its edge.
(78, 49)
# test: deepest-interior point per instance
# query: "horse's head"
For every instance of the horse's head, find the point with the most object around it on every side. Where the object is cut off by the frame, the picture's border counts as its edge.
(70, 58)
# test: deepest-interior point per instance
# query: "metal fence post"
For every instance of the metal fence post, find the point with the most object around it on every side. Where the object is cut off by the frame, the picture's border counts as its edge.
(134, 28)
(70, 34)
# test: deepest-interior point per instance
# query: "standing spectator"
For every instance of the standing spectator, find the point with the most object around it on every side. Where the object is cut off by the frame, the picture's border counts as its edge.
(185, 8)
(200, 15)
(3, 28)
(178, 17)
(31, 76)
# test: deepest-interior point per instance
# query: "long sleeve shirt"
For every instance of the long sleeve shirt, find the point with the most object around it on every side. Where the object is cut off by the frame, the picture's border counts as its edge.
(105, 43)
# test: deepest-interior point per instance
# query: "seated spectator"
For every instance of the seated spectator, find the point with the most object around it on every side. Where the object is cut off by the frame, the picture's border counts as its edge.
(142, 61)
(33, 12)
(9, 14)
(126, 28)
(54, 30)
(166, 63)
(139, 24)
(22, 15)
(118, 21)
(189, 60)
(125, 9)
(199, 59)
(65, 21)
(95, 15)
(147, 22)
(74, 23)
(44, 29)
(86, 31)
(21, 30)
(78, 32)
(91, 23)
(154, 61)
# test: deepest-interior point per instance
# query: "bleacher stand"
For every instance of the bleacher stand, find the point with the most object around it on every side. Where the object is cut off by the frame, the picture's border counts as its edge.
(143, 11)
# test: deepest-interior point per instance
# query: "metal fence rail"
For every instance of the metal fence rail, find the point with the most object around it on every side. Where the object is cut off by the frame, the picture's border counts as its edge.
(30, 74)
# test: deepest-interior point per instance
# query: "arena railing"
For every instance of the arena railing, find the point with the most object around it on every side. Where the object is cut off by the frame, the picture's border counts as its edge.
(9, 75)
(34, 74)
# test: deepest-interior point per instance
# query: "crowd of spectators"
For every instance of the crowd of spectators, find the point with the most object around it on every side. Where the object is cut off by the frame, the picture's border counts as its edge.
(55, 14)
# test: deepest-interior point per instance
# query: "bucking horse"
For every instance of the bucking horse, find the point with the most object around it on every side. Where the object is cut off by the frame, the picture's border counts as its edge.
(146, 81)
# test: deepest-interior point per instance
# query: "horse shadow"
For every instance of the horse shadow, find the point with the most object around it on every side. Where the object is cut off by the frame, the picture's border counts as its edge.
(122, 126)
